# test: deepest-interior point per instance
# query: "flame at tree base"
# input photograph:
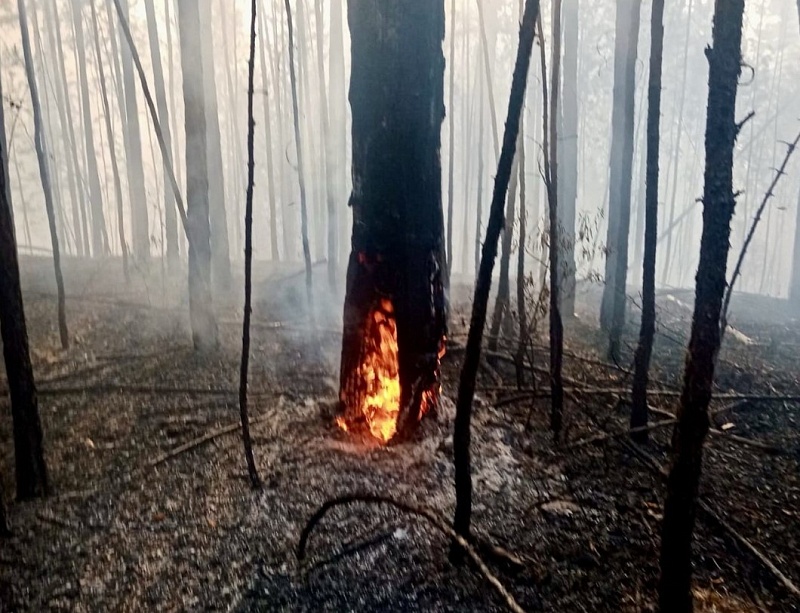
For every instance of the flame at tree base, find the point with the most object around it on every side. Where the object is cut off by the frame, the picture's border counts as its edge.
(379, 377)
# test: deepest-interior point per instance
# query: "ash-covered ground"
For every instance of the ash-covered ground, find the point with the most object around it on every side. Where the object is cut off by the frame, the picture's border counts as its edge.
(145, 516)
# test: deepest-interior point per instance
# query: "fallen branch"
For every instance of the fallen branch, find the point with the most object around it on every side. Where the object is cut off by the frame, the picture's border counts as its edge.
(197, 442)
(431, 517)
(723, 434)
(659, 469)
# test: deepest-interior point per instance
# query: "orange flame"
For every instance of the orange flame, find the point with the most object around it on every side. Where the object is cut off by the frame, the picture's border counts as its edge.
(381, 376)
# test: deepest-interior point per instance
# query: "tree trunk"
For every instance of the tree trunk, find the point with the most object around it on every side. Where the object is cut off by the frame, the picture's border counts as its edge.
(255, 481)
(140, 225)
(648, 325)
(396, 267)
(111, 147)
(170, 217)
(481, 152)
(220, 248)
(31, 471)
(487, 74)
(451, 134)
(501, 303)
(99, 236)
(327, 154)
(568, 177)
(201, 314)
(676, 156)
(612, 311)
(724, 58)
(273, 204)
(554, 241)
(288, 216)
(469, 371)
(338, 120)
(44, 172)
(64, 105)
(300, 167)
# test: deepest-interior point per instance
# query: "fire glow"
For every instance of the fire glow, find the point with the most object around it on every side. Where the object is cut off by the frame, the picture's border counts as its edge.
(379, 373)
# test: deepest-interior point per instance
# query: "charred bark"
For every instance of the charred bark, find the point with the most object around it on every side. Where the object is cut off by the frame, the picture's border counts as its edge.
(397, 246)
(201, 314)
(31, 471)
(724, 58)
(554, 240)
(648, 325)
(472, 357)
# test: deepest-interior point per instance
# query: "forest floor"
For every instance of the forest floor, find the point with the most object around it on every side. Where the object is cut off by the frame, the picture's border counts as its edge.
(136, 524)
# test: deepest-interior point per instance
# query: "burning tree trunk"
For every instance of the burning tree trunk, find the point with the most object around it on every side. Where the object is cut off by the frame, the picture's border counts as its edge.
(724, 58)
(31, 471)
(394, 313)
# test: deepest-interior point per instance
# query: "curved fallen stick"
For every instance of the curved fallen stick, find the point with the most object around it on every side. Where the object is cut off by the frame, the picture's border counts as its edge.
(431, 517)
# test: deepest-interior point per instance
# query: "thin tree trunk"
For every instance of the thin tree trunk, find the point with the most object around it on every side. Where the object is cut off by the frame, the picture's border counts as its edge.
(487, 73)
(639, 411)
(201, 314)
(64, 105)
(44, 172)
(140, 224)
(288, 216)
(327, 154)
(31, 470)
(469, 371)
(617, 292)
(111, 148)
(522, 316)
(479, 207)
(300, 168)
(170, 218)
(503, 297)
(273, 205)
(676, 156)
(554, 242)
(255, 481)
(452, 149)
(220, 247)
(724, 58)
(99, 235)
(338, 122)
(568, 176)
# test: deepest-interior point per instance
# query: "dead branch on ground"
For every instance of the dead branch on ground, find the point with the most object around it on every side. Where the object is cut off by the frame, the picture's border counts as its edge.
(430, 516)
